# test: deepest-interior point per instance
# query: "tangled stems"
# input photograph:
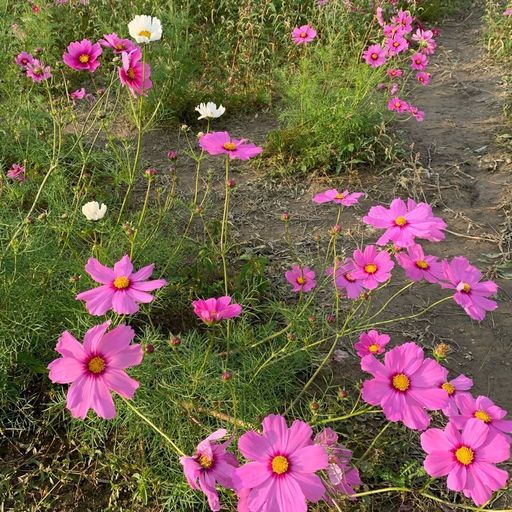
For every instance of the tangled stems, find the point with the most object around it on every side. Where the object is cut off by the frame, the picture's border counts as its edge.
(154, 427)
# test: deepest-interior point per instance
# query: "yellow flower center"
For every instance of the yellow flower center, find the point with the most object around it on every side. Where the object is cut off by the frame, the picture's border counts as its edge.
(119, 47)
(482, 415)
(396, 44)
(465, 455)
(373, 348)
(422, 264)
(466, 288)
(145, 33)
(131, 73)
(401, 382)
(230, 146)
(400, 221)
(449, 388)
(121, 282)
(84, 58)
(300, 280)
(280, 464)
(339, 196)
(205, 462)
(96, 364)
(371, 268)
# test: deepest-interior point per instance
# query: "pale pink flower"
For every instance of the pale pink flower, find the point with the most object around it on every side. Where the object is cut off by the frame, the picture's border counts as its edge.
(79, 94)
(23, 59)
(38, 71)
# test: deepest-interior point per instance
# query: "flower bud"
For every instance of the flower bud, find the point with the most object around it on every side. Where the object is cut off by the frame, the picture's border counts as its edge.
(149, 348)
(175, 341)
(226, 376)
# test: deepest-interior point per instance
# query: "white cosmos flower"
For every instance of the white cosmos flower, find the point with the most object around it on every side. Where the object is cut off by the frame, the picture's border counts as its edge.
(93, 211)
(209, 110)
(145, 28)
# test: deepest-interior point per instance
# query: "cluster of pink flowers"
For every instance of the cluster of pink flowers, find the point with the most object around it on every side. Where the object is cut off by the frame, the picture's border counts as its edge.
(34, 69)
(402, 34)
(476, 437)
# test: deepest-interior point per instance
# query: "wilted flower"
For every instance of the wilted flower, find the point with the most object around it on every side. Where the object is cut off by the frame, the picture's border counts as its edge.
(16, 172)
(209, 110)
(79, 94)
(82, 55)
(145, 29)
(93, 211)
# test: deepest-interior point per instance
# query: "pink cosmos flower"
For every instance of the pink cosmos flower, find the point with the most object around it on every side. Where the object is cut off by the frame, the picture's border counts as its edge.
(218, 143)
(471, 292)
(454, 388)
(38, 71)
(371, 342)
(405, 385)
(301, 279)
(135, 74)
(375, 55)
(484, 410)
(117, 44)
(214, 310)
(82, 55)
(380, 16)
(345, 198)
(405, 222)
(372, 267)
(419, 115)
(342, 476)
(418, 266)
(210, 465)
(303, 35)
(23, 59)
(397, 104)
(96, 368)
(283, 462)
(396, 44)
(345, 279)
(393, 30)
(404, 20)
(16, 172)
(423, 78)
(425, 40)
(394, 73)
(419, 61)
(79, 94)
(468, 458)
(121, 289)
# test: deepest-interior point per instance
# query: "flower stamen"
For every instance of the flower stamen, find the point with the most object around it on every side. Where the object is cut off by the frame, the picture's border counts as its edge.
(96, 365)
(465, 455)
(280, 464)
(401, 382)
(121, 282)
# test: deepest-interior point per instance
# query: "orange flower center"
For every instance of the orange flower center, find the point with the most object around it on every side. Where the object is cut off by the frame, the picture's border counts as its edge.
(400, 221)
(145, 33)
(422, 264)
(131, 73)
(401, 382)
(96, 364)
(465, 455)
(121, 282)
(119, 47)
(229, 146)
(339, 196)
(449, 388)
(466, 288)
(373, 348)
(84, 58)
(371, 268)
(374, 56)
(482, 415)
(205, 462)
(300, 280)
(280, 464)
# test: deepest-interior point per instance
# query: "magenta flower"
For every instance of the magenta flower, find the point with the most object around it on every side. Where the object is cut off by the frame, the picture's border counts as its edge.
(468, 458)
(82, 55)
(418, 114)
(405, 385)
(423, 78)
(380, 16)
(38, 71)
(393, 30)
(214, 310)
(303, 35)
(425, 40)
(371, 342)
(96, 368)
(396, 44)
(23, 59)
(79, 94)
(342, 476)
(454, 388)
(117, 44)
(418, 266)
(121, 289)
(332, 195)
(404, 20)
(301, 279)
(16, 172)
(394, 73)
(218, 143)
(397, 104)
(210, 465)
(345, 279)
(375, 55)
(372, 267)
(282, 467)
(134, 74)
(419, 61)
(471, 292)
(405, 222)
(483, 409)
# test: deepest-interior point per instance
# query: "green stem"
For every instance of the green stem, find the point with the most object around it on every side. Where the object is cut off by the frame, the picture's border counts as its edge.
(375, 439)
(348, 416)
(141, 217)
